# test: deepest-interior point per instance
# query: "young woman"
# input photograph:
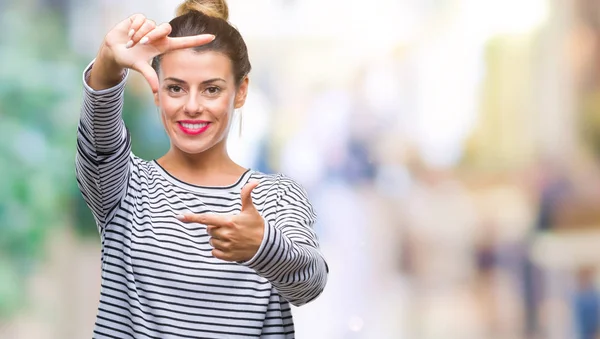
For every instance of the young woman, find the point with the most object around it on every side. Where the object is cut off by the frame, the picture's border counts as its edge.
(193, 244)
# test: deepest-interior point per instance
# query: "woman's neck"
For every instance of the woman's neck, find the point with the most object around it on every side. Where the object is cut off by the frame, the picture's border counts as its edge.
(213, 167)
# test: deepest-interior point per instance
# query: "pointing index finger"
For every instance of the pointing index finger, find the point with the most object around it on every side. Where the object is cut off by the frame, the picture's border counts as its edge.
(206, 219)
(189, 41)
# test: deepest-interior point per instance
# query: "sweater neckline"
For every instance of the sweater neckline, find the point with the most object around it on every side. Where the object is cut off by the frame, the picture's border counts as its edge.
(242, 180)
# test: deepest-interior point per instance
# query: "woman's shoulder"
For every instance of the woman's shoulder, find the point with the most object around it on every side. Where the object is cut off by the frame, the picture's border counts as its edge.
(140, 163)
(282, 183)
(144, 168)
(279, 179)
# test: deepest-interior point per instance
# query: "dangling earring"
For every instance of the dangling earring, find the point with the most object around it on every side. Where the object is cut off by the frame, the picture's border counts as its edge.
(240, 128)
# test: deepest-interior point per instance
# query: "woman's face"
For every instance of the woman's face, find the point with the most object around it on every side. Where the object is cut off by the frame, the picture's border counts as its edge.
(197, 96)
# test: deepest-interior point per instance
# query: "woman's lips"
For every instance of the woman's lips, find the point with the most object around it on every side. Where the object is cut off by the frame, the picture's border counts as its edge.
(193, 127)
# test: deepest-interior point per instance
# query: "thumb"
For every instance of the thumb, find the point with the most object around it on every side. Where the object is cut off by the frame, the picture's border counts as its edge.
(246, 194)
(148, 72)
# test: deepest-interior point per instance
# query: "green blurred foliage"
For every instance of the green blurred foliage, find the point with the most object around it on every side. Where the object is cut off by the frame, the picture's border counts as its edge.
(36, 136)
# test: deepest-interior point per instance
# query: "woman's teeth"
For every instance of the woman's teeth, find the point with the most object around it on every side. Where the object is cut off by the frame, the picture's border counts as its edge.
(194, 126)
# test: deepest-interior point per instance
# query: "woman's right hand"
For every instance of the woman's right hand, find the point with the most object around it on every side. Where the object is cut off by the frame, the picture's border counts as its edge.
(132, 44)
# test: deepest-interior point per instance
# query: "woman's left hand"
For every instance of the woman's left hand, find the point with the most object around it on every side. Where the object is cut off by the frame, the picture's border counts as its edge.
(233, 237)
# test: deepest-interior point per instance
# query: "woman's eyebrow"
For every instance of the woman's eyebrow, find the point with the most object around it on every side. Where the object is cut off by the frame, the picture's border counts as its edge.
(203, 82)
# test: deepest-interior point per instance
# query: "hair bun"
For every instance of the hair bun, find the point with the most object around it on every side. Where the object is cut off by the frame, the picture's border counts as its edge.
(214, 8)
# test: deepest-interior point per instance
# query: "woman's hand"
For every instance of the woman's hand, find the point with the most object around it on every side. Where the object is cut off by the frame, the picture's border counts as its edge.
(234, 238)
(132, 44)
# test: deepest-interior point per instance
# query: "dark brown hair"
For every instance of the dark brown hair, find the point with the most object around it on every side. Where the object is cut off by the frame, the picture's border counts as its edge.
(210, 17)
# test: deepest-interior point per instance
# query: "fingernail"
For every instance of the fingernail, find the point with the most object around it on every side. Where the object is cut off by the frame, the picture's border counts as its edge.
(180, 217)
(131, 33)
(144, 40)
(129, 44)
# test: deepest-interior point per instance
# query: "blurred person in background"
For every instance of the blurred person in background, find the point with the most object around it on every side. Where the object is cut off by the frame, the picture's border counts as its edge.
(586, 304)
(193, 244)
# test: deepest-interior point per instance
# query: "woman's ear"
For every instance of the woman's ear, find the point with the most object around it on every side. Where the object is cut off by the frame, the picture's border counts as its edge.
(242, 92)
(156, 99)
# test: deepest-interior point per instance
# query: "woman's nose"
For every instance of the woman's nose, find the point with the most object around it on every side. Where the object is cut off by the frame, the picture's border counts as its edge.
(193, 106)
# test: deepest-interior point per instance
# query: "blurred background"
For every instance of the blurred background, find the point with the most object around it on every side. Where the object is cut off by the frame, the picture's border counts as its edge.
(450, 147)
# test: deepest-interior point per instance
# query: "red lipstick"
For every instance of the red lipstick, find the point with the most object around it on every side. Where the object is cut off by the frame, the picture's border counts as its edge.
(193, 127)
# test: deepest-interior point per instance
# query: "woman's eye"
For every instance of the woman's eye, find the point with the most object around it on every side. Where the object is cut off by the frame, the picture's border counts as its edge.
(212, 90)
(174, 89)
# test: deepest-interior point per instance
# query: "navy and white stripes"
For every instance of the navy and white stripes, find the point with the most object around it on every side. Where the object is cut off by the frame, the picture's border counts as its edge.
(159, 278)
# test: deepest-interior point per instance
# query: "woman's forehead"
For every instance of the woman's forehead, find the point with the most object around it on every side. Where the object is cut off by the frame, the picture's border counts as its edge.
(191, 65)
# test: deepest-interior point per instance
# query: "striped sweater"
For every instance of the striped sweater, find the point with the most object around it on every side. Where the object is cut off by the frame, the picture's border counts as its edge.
(159, 278)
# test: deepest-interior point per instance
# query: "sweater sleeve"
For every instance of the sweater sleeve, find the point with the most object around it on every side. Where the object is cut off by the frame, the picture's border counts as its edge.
(102, 161)
(289, 256)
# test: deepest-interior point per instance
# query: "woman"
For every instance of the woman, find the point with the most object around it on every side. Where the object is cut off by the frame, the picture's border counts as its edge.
(193, 245)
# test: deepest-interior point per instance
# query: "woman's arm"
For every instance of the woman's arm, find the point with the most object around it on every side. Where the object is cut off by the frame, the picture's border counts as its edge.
(289, 255)
(103, 146)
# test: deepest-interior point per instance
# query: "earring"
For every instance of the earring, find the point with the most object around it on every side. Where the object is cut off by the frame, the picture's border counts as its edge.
(240, 128)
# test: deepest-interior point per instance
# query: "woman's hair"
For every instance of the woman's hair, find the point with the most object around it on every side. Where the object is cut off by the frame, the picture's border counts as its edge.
(210, 17)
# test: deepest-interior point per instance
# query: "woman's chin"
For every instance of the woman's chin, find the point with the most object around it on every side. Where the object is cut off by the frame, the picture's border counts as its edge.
(191, 148)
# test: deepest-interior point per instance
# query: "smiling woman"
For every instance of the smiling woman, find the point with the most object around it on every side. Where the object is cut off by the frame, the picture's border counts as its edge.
(197, 96)
(193, 244)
